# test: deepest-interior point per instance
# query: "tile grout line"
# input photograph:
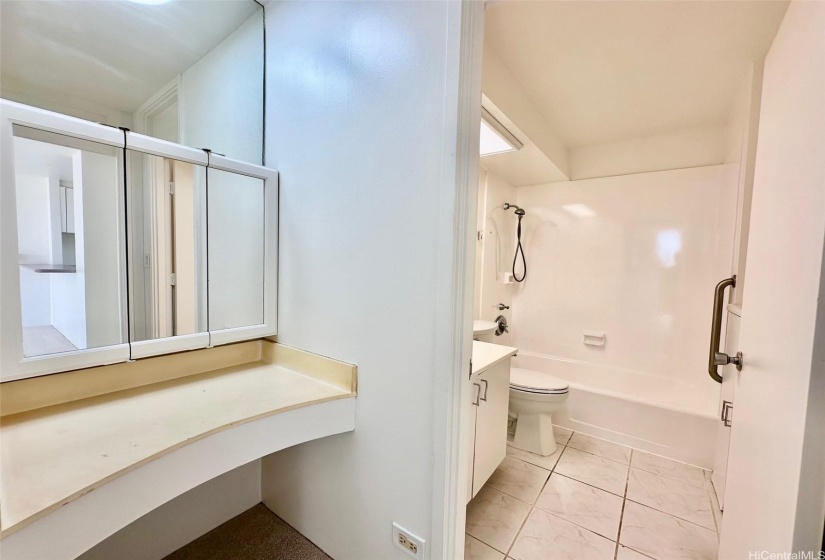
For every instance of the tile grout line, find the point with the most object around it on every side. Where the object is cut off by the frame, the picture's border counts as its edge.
(640, 451)
(568, 477)
(624, 503)
(671, 515)
(533, 505)
(550, 472)
(711, 493)
(550, 513)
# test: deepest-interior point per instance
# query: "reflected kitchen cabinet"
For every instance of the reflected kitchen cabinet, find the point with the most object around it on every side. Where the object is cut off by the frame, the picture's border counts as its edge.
(65, 250)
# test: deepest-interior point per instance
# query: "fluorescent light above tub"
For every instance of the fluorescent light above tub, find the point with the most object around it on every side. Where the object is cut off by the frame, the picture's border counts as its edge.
(495, 138)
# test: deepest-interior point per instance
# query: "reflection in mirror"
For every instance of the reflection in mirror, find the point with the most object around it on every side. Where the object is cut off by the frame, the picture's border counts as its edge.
(69, 223)
(167, 249)
(236, 250)
(183, 71)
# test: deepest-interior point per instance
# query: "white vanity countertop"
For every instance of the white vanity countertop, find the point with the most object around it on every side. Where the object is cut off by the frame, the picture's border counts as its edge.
(56, 454)
(486, 355)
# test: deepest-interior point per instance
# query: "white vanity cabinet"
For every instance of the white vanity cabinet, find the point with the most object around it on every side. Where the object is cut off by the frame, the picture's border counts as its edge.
(490, 394)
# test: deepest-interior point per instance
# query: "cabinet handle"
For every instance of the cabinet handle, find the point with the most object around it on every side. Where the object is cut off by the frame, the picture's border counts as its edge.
(484, 398)
(727, 406)
(478, 393)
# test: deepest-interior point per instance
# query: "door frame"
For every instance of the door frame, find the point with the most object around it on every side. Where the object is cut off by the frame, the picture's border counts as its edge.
(456, 208)
(451, 398)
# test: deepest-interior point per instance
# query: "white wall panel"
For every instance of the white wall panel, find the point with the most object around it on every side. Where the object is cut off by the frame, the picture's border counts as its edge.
(358, 109)
(635, 257)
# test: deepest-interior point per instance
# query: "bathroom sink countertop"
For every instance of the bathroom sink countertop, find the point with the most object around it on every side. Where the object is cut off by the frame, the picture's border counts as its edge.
(486, 355)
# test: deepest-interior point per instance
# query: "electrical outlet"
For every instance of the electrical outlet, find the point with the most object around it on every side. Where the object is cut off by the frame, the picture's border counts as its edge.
(406, 541)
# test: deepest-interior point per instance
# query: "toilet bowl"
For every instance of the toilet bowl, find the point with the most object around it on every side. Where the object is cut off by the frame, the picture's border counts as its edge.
(534, 397)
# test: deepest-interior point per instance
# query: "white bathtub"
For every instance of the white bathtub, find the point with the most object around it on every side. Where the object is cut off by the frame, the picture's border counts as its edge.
(643, 411)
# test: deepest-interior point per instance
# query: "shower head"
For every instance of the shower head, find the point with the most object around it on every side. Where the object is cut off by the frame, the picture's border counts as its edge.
(519, 210)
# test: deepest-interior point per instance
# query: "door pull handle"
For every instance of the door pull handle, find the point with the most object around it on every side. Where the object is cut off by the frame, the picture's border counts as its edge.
(716, 330)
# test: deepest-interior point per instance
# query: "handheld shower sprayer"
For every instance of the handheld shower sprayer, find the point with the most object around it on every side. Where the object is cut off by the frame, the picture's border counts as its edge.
(520, 213)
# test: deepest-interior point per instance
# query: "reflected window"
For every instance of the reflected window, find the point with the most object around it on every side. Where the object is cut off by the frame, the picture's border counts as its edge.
(70, 247)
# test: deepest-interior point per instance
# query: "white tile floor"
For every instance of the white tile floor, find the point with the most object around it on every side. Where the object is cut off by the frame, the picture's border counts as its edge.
(593, 500)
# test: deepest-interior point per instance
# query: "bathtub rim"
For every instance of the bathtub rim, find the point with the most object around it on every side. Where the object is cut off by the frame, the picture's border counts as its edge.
(694, 411)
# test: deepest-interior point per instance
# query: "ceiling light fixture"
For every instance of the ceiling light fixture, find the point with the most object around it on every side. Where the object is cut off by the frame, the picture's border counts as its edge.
(495, 138)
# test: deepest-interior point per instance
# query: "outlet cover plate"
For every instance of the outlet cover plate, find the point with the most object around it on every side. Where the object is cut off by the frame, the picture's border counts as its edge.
(408, 542)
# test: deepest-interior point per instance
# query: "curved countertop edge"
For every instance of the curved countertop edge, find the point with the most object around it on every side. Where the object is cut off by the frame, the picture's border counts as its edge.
(487, 355)
(74, 526)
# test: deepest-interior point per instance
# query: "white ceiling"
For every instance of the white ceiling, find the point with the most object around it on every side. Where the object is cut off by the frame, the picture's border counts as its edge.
(612, 70)
(114, 52)
(43, 159)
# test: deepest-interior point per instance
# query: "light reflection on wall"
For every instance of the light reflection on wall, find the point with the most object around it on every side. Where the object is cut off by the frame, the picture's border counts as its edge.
(668, 245)
(579, 210)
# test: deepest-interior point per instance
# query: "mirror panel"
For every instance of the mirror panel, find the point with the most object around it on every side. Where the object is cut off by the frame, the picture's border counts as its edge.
(236, 250)
(167, 246)
(69, 196)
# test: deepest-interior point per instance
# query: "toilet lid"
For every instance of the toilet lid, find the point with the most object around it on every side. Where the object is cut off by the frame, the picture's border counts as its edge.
(536, 382)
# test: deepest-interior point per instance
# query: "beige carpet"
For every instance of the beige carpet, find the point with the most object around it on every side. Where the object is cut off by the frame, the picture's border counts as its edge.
(256, 534)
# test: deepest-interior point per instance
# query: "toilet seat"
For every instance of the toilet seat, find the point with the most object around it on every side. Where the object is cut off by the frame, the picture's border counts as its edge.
(536, 382)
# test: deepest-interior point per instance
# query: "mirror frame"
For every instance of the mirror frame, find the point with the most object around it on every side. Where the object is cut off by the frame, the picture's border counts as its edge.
(143, 144)
(270, 179)
(13, 365)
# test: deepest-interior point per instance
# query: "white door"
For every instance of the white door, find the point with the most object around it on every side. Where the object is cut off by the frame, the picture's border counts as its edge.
(185, 249)
(720, 468)
(775, 488)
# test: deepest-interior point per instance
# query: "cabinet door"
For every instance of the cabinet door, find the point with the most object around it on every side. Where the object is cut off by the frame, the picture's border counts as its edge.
(475, 392)
(491, 423)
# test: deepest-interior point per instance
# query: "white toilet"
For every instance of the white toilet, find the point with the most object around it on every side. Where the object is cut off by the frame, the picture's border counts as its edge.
(534, 396)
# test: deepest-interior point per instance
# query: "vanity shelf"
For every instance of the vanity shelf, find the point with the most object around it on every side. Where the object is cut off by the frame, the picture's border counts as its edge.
(127, 438)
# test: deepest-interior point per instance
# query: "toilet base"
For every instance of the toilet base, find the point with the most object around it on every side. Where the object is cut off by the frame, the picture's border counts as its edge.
(534, 433)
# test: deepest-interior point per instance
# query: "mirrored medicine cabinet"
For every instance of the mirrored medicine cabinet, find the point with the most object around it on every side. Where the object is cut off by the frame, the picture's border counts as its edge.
(118, 246)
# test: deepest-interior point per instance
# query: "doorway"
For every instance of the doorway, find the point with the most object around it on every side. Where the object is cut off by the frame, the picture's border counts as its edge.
(603, 189)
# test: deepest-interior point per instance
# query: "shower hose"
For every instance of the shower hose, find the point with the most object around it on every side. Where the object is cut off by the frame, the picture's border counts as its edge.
(519, 249)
